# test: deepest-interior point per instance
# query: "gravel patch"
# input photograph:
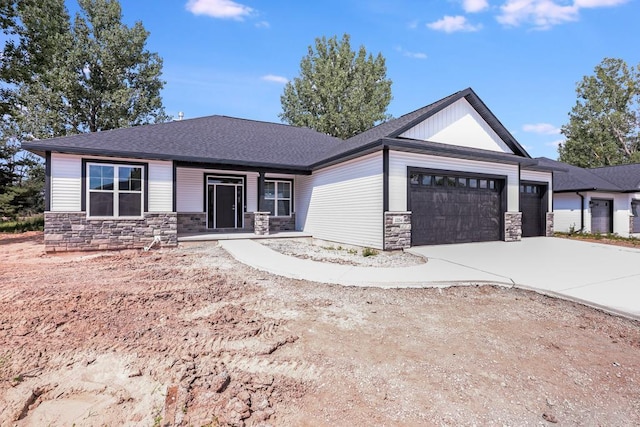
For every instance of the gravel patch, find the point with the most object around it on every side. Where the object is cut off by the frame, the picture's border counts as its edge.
(342, 255)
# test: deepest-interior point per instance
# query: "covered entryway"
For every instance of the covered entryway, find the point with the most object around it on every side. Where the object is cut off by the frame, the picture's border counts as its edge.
(601, 216)
(534, 209)
(450, 208)
(225, 202)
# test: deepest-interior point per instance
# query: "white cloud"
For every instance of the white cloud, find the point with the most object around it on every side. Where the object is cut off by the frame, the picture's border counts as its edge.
(263, 24)
(223, 9)
(542, 128)
(473, 6)
(452, 24)
(412, 25)
(544, 14)
(409, 54)
(598, 3)
(275, 79)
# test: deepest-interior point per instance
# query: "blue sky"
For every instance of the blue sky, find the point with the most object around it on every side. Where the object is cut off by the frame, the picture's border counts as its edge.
(522, 57)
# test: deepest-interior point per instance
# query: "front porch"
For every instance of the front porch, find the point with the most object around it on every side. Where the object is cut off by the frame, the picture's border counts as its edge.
(239, 235)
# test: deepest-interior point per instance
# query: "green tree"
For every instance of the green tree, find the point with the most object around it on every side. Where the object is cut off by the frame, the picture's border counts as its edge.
(603, 126)
(21, 179)
(59, 77)
(339, 92)
(90, 76)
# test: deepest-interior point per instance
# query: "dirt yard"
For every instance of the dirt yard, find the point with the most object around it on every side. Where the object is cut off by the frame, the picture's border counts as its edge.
(191, 337)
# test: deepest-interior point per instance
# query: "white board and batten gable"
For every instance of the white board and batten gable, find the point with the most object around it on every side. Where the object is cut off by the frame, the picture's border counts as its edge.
(458, 124)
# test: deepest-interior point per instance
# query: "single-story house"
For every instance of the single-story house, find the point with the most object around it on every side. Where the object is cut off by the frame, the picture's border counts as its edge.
(446, 173)
(598, 200)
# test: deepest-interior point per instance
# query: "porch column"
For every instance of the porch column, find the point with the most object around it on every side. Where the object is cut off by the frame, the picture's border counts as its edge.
(261, 192)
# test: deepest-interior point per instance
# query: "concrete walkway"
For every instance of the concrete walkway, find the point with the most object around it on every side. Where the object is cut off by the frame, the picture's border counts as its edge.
(602, 276)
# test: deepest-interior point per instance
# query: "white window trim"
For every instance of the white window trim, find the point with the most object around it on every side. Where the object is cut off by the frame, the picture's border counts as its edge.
(276, 198)
(115, 191)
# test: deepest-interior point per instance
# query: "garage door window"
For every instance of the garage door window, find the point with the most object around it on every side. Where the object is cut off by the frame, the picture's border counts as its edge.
(427, 180)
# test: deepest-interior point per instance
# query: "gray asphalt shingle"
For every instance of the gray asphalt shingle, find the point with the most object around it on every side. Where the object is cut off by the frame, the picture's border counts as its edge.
(235, 141)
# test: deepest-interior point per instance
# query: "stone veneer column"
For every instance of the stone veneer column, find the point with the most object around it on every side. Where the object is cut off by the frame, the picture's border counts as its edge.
(512, 226)
(397, 230)
(261, 223)
(549, 229)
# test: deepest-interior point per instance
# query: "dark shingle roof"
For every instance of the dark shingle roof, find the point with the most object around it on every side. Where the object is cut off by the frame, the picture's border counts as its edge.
(217, 139)
(567, 177)
(626, 177)
(233, 141)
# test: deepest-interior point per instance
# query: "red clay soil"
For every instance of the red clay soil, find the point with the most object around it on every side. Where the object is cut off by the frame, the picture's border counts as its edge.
(189, 336)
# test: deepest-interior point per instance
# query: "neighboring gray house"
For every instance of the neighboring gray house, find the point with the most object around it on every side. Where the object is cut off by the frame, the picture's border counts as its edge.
(446, 173)
(599, 200)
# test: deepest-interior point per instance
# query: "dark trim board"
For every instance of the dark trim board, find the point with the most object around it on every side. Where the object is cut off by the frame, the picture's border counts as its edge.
(241, 168)
(385, 179)
(47, 181)
(174, 196)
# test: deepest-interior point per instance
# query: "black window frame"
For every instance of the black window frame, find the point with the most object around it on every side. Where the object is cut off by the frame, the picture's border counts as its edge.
(86, 190)
(276, 198)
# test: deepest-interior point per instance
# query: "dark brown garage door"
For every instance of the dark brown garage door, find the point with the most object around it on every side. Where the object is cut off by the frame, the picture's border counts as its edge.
(601, 216)
(447, 208)
(533, 208)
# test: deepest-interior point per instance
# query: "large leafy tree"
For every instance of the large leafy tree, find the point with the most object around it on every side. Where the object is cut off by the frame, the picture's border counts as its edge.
(92, 75)
(339, 91)
(603, 126)
(60, 76)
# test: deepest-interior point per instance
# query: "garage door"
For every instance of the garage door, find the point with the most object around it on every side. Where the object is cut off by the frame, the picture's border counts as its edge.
(447, 208)
(533, 209)
(601, 216)
(635, 212)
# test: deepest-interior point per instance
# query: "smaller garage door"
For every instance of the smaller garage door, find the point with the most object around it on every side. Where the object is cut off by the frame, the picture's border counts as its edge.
(635, 211)
(533, 208)
(601, 216)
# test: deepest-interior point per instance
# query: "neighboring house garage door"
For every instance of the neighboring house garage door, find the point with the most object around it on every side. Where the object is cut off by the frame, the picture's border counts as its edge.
(450, 208)
(601, 216)
(635, 212)
(533, 208)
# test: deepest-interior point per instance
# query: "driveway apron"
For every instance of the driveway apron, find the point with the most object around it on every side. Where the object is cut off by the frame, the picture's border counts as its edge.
(600, 275)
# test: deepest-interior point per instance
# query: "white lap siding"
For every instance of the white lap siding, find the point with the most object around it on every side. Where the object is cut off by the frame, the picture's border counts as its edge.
(66, 182)
(567, 212)
(343, 203)
(160, 186)
(400, 161)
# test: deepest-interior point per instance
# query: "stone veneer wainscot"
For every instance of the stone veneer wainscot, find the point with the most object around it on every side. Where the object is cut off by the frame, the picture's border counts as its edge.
(73, 231)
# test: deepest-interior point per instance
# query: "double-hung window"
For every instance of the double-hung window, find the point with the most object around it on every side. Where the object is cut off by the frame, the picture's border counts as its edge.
(277, 197)
(114, 190)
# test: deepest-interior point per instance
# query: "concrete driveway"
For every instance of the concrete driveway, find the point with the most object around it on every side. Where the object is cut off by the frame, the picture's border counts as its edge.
(597, 274)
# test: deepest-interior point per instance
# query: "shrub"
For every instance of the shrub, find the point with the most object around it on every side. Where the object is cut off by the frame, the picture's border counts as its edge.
(369, 252)
(34, 223)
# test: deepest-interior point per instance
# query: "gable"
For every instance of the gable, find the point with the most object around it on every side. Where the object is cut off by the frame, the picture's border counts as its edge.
(458, 124)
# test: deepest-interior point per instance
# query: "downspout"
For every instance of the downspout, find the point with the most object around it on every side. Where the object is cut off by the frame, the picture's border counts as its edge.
(581, 212)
